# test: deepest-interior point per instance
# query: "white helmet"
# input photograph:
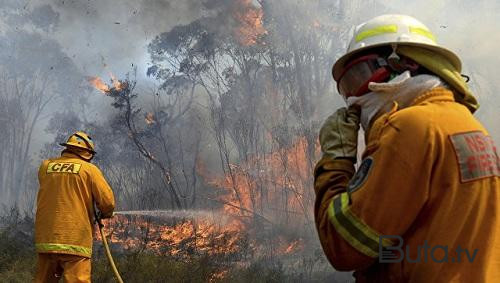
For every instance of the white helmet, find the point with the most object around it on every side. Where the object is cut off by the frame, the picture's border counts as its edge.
(392, 30)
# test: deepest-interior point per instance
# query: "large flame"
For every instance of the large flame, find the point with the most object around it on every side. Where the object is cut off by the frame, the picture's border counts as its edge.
(284, 175)
(179, 239)
(133, 232)
(282, 172)
(272, 187)
(249, 23)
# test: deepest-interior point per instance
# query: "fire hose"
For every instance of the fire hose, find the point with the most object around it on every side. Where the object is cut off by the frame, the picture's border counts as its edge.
(106, 248)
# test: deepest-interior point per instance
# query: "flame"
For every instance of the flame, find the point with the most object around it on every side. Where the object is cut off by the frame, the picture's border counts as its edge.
(294, 246)
(131, 232)
(150, 118)
(116, 83)
(218, 276)
(316, 24)
(182, 241)
(274, 186)
(285, 173)
(249, 23)
(99, 84)
(227, 232)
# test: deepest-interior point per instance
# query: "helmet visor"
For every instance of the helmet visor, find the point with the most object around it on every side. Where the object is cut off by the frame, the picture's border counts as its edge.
(358, 73)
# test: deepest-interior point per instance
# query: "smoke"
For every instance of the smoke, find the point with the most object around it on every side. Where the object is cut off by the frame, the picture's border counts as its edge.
(116, 33)
(74, 39)
(93, 37)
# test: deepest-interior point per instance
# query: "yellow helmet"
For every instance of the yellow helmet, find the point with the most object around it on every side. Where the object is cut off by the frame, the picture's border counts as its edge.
(80, 140)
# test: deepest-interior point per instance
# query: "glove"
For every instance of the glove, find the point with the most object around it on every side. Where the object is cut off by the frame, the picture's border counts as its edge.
(99, 215)
(106, 216)
(338, 136)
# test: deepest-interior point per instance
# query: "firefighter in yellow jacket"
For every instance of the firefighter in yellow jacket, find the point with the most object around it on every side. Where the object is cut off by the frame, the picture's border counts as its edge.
(69, 187)
(424, 204)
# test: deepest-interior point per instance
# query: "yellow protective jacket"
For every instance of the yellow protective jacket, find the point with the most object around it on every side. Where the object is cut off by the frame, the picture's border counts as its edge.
(430, 176)
(68, 187)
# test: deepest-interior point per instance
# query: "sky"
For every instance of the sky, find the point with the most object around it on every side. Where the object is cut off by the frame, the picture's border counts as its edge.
(116, 33)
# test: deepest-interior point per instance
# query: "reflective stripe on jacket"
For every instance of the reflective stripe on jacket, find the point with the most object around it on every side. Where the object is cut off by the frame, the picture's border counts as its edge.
(68, 187)
(430, 175)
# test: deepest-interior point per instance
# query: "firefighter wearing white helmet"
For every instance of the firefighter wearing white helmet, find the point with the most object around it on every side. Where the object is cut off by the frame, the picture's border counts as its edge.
(69, 186)
(408, 37)
(424, 204)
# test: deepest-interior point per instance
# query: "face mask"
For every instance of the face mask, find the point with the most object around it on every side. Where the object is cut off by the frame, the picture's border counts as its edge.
(403, 89)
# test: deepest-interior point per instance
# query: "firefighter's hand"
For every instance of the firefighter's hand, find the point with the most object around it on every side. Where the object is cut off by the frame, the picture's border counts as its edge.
(339, 134)
(108, 215)
(101, 215)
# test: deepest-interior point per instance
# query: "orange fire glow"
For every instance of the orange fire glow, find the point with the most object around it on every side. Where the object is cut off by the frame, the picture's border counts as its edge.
(294, 246)
(99, 84)
(116, 83)
(285, 175)
(249, 23)
(218, 276)
(150, 118)
(132, 232)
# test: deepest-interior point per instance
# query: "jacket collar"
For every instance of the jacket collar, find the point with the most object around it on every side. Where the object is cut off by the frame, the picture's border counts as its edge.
(432, 95)
(69, 154)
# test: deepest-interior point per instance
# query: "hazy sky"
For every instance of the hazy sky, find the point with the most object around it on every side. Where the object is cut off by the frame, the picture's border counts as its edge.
(116, 32)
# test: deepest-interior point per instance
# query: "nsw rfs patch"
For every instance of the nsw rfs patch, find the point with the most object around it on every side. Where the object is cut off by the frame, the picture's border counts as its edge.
(476, 155)
(360, 177)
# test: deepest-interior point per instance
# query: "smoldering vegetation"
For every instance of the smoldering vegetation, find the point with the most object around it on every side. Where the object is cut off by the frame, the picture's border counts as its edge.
(209, 143)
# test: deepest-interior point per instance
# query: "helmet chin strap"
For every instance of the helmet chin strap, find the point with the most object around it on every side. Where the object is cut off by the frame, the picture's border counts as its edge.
(84, 140)
(399, 65)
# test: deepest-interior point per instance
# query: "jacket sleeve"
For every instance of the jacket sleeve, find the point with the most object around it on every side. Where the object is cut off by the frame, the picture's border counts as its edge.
(383, 197)
(41, 171)
(102, 194)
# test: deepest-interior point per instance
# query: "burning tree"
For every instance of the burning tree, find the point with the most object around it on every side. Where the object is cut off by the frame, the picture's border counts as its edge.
(156, 137)
(215, 160)
(264, 80)
(251, 88)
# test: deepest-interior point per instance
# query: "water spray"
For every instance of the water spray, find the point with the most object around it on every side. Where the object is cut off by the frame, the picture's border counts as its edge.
(168, 213)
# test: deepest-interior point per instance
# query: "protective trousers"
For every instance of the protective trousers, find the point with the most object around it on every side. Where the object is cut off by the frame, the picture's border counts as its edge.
(72, 268)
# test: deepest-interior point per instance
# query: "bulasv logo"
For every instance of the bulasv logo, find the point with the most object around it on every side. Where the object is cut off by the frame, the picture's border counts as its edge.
(63, 167)
(425, 253)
